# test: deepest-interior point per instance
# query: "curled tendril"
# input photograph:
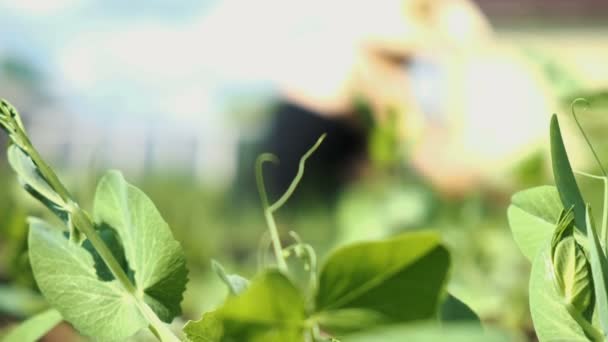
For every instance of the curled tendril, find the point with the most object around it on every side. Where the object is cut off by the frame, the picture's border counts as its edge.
(259, 175)
(296, 180)
(307, 254)
(580, 127)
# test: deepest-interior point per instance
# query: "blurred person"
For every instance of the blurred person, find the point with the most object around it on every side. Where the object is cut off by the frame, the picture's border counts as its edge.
(373, 65)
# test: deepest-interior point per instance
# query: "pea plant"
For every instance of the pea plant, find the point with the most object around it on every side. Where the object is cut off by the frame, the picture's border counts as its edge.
(554, 228)
(118, 270)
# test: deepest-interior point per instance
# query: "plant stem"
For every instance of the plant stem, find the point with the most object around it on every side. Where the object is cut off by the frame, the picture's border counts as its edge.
(84, 224)
(276, 240)
(158, 328)
(48, 174)
(592, 332)
(272, 226)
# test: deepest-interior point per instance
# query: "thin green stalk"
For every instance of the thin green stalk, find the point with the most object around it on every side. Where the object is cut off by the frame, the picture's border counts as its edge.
(48, 174)
(83, 223)
(272, 226)
(158, 328)
(592, 332)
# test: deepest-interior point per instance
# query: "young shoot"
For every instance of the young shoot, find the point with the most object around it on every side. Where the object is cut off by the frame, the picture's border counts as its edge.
(68, 273)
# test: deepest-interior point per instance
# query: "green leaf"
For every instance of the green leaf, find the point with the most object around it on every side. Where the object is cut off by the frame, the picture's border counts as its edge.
(34, 328)
(399, 279)
(208, 329)
(564, 177)
(570, 267)
(235, 283)
(453, 332)
(66, 275)
(454, 310)
(599, 270)
(533, 214)
(33, 181)
(552, 320)
(270, 310)
(155, 257)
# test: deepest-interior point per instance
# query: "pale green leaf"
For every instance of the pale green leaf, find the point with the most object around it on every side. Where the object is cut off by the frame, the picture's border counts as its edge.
(399, 279)
(66, 275)
(34, 328)
(152, 252)
(270, 310)
(32, 180)
(533, 215)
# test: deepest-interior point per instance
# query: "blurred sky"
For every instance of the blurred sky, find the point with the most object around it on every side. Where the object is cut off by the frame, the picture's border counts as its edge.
(184, 55)
(180, 64)
(170, 69)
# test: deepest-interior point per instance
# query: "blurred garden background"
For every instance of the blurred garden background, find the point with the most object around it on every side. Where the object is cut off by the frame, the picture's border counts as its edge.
(436, 112)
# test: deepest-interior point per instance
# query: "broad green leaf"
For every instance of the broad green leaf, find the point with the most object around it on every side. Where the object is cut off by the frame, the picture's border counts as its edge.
(66, 275)
(426, 332)
(235, 283)
(599, 270)
(155, 257)
(564, 177)
(34, 328)
(533, 214)
(270, 310)
(552, 321)
(399, 279)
